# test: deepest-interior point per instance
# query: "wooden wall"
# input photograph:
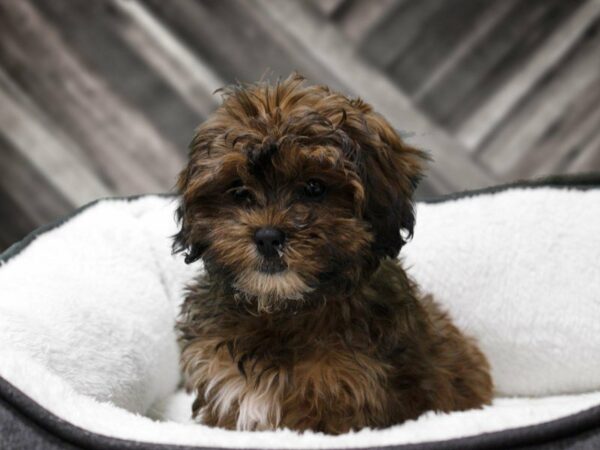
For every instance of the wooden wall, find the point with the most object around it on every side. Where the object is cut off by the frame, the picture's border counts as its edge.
(100, 98)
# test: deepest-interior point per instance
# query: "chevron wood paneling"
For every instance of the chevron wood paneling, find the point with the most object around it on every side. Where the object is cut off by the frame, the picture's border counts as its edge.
(101, 98)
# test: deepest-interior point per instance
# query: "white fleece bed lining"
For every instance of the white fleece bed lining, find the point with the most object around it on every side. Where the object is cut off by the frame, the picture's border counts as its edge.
(87, 309)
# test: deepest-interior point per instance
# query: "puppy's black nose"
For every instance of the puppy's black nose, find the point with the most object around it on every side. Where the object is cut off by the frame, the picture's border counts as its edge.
(269, 240)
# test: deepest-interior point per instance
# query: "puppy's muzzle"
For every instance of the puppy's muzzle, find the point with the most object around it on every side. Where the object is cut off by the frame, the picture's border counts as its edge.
(269, 241)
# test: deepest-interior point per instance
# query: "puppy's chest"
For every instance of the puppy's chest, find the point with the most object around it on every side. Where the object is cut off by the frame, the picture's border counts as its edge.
(252, 391)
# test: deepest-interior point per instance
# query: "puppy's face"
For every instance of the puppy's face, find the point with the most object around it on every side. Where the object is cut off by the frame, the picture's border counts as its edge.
(292, 192)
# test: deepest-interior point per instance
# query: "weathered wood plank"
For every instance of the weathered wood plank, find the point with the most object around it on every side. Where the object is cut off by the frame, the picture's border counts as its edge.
(94, 34)
(477, 31)
(191, 77)
(360, 17)
(34, 203)
(228, 37)
(102, 97)
(483, 120)
(328, 7)
(124, 146)
(438, 35)
(565, 141)
(588, 158)
(495, 59)
(194, 25)
(397, 31)
(550, 104)
(15, 224)
(452, 170)
(302, 57)
(58, 161)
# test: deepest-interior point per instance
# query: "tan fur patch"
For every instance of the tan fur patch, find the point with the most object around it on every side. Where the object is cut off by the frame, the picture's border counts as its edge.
(269, 288)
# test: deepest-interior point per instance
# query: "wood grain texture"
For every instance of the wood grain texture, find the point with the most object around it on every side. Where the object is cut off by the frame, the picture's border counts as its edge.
(376, 89)
(495, 60)
(561, 98)
(123, 144)
(30, 203)
(358, 18)
(544, 60)
(101, 98)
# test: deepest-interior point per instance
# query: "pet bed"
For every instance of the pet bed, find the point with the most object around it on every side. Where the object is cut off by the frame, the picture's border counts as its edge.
(88, 356)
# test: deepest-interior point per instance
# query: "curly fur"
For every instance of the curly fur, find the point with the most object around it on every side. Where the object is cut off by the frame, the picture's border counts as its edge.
(331, 335)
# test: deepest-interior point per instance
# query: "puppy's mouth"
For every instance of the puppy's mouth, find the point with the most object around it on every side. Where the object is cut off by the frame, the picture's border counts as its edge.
(271, 287)
(272, 266)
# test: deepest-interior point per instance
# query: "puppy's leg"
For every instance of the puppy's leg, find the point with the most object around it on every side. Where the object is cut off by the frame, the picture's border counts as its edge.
(462, 372)
(336, 390)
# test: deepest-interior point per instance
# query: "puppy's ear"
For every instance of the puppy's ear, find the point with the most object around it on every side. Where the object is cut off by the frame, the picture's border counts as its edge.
(393, 170)
(182, 240)
(190, 184)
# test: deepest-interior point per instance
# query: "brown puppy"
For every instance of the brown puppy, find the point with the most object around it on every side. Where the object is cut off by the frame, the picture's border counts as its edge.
(298, 200)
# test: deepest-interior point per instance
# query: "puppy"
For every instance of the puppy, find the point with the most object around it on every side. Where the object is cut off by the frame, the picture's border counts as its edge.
(298, 200)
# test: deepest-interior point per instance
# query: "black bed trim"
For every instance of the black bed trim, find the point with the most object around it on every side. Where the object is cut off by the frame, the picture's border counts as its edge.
(577, 429)
(47, 425)
(582, 182)
(18, 247)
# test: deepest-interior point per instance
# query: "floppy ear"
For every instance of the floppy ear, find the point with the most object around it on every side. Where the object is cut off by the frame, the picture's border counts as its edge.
(182, 240)
(392, 171)
(189, 185)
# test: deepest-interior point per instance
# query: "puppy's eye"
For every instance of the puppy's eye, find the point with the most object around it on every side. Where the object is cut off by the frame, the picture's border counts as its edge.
(242, 195)
(314, 189)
